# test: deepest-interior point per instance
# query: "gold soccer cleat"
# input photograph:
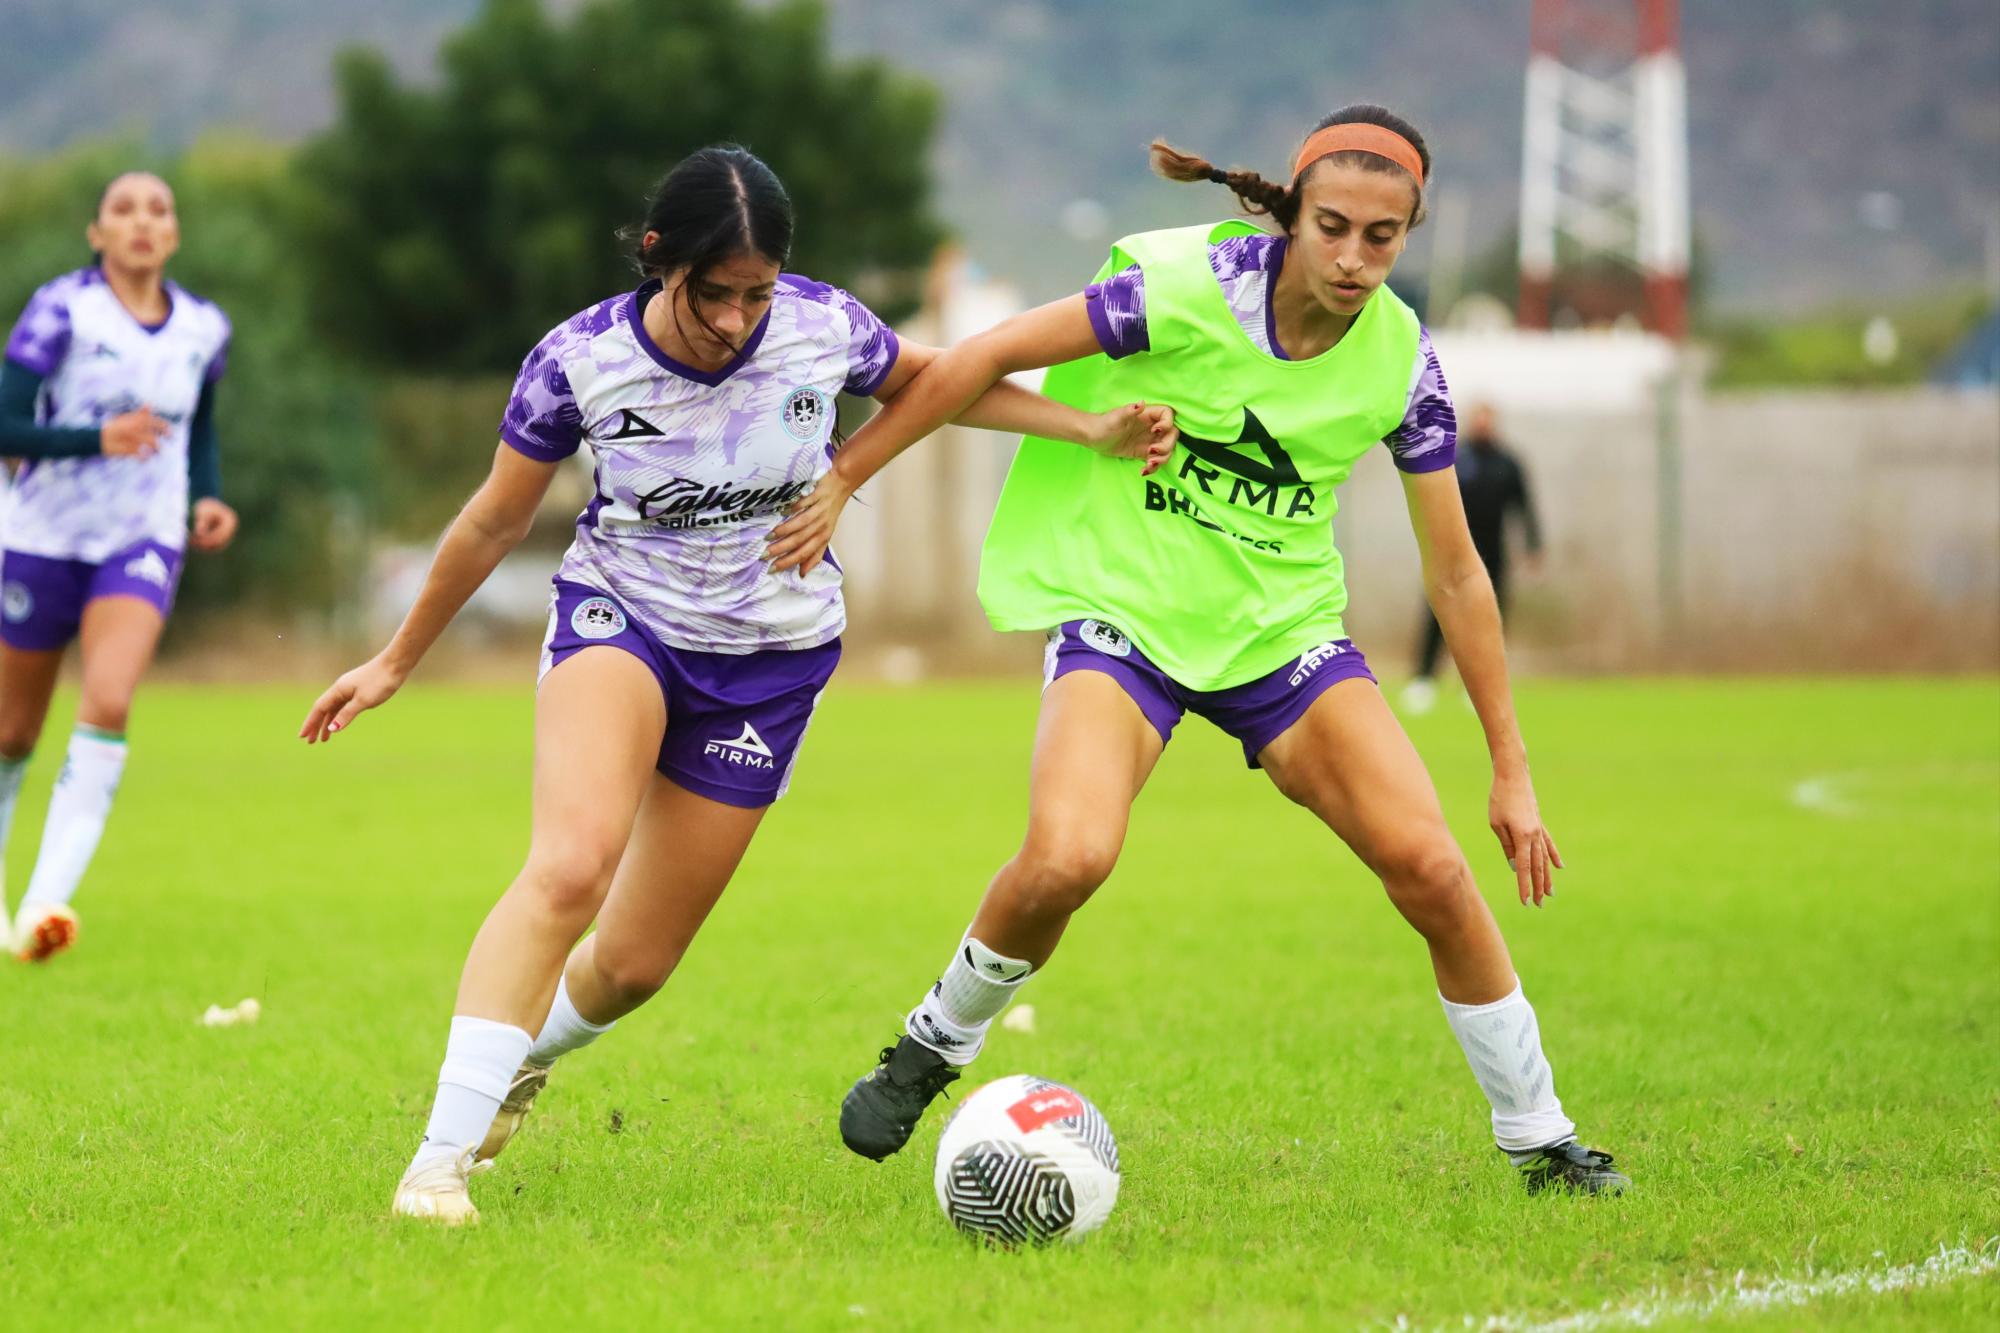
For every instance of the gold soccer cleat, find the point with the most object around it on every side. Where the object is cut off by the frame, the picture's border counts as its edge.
(529, 1080)
(436, 1193)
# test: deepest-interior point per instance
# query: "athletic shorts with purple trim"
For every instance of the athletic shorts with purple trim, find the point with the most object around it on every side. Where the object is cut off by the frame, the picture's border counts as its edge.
(1256, 712)
(734, 720)
(42, 597)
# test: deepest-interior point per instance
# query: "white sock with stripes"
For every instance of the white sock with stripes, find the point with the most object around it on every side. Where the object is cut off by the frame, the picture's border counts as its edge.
(77, 811)
(976, 985)
(1503, 1044)
(11, 773)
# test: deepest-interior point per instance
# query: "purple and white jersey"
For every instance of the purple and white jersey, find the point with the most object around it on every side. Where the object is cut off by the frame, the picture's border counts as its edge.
(97, 362)
(1247, 267)
(695, 468)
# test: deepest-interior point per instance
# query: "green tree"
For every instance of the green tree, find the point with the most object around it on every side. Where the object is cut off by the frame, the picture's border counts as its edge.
(294, 423)
(447, 229)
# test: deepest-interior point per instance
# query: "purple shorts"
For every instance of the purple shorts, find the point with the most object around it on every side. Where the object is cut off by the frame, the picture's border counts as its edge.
(1256, 712)
(734, 720)
(42, 597)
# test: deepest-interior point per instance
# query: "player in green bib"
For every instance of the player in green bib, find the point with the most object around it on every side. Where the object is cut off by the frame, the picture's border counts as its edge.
(1214, 586)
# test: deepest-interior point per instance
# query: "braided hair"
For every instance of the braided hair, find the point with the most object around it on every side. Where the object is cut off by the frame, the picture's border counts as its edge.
(1281, 202)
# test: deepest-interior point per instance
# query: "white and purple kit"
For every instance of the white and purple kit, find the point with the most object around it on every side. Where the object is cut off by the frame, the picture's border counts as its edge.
(76, 529)
(693, 470)
(1259, 711)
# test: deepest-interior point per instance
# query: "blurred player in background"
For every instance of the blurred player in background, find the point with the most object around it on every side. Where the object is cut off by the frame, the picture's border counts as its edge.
(1219, 590)
(108, 394)
(680, 672)
(1492, 485)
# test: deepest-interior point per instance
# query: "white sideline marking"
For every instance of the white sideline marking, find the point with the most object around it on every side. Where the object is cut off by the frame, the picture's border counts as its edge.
(1822, 796)
(1744, 1296)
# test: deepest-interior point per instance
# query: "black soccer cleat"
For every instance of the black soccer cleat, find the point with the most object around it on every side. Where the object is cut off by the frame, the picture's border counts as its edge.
(881, 1111)
(1570, 1168)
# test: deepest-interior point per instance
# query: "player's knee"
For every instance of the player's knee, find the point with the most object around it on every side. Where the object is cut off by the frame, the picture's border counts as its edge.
(18, 737)
(632, 976)
(569, 882)
(107, 708)
(1427, 879)
(1057, 875)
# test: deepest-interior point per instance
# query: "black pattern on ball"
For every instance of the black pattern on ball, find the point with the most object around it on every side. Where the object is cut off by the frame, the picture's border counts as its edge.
(1000, 1192)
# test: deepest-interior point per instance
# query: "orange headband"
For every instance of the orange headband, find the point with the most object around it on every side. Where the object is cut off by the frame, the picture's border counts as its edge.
(1376, 139)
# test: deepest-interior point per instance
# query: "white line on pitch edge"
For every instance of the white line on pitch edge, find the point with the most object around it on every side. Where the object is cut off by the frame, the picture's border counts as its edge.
(1745, 1296)
(1822, 797)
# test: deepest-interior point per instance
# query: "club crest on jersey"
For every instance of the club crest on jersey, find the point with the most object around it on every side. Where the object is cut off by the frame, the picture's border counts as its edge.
(16, 603)
(747, 750)
(597, 618)
(1105, 639)
(805, 410)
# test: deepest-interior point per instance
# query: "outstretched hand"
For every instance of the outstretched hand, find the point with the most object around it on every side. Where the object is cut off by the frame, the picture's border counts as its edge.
(1531, 853)
(369, 685)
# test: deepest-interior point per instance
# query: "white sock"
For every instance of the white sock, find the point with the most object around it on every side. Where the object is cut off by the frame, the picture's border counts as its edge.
(77, 812)
(1503, 1044)
(564, 1030)
(11, 773)
(479, 1062)
(976, 985)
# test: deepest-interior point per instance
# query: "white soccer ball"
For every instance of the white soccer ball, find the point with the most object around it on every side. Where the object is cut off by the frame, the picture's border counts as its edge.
(1024, 1159)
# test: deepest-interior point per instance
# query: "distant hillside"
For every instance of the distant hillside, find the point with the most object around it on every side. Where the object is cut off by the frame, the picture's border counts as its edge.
(1801, 109)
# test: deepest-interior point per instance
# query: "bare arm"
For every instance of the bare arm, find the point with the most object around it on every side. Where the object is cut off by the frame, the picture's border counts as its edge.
(957, 380)
(1007, 407)
(1461, 596)
(492, 523)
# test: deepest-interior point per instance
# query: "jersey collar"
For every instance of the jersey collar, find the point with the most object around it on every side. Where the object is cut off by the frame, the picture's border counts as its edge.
(635, 315)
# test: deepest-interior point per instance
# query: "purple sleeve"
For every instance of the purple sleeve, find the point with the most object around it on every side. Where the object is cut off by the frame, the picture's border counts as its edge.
(542, 419)
(872, 346)
(1427, 441)
(40, 339)
(220, 362)
(1117, 308)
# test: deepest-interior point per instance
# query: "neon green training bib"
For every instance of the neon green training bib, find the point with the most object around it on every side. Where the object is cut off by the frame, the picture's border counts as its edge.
(1221, 566)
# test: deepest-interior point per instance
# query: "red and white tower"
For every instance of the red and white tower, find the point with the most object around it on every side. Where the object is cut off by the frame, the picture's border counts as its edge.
(1604, 160)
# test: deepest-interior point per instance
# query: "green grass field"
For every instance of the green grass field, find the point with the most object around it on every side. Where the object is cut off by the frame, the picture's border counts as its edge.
(1781, 1017)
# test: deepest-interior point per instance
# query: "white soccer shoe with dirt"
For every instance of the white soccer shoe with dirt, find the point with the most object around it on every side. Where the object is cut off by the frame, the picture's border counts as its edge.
(435, 1192)
(529, 1080)
(43, 932)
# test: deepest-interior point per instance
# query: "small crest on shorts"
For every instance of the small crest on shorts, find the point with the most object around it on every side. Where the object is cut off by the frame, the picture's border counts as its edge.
(806, 410)
(1105, 638)
(16, 603)
(597, 618)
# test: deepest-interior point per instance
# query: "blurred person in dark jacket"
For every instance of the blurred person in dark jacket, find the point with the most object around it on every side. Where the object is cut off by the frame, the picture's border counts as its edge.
(1493, 485)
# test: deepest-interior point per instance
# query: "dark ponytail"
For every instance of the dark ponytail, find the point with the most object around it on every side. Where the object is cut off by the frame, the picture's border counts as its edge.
(1281, 202)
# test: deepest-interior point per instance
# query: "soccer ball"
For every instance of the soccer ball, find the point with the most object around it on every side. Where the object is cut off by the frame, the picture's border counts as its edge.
(1024, 1159)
